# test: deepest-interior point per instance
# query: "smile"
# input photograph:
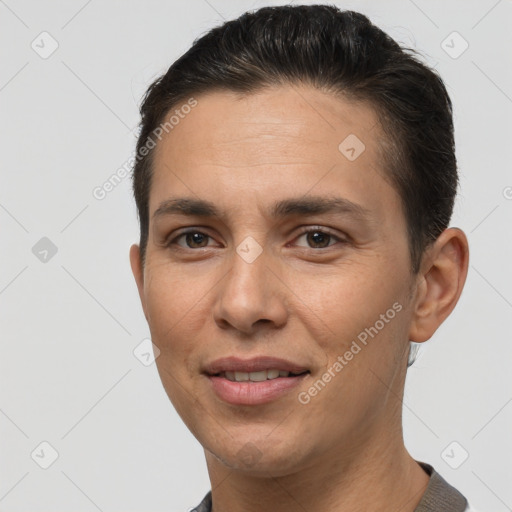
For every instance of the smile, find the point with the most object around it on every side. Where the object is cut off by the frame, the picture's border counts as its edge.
(255, 381)
(257, 376)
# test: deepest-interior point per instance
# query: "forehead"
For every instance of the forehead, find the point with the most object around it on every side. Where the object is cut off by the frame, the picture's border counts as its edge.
(272, 140)
(290, 114)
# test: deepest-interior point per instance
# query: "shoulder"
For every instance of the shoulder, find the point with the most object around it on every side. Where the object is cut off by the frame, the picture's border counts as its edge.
(439, 495)
(205, 505)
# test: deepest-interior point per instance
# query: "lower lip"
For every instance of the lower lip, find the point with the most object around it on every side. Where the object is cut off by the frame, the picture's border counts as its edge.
(253, 393)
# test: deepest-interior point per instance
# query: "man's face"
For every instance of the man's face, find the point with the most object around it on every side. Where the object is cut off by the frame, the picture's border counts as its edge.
(248, 285)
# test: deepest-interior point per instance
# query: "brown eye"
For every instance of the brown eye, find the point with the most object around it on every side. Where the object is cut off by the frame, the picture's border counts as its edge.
(193, 240)
(318, 239)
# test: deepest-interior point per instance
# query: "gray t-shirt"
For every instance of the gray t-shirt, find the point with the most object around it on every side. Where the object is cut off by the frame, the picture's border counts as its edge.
(439, 496)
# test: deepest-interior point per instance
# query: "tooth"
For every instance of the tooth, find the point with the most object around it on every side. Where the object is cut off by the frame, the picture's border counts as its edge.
(241, 376)
(272, 374)
(283, 373)
(258, 376)
(230, 376)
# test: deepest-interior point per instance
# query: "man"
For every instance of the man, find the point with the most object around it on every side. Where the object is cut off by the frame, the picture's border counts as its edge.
(295, 178)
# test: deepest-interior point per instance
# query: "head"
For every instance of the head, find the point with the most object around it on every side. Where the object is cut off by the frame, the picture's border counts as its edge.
(295, 178)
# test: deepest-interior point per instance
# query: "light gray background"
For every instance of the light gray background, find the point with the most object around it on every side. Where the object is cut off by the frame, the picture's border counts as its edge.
(68, 374)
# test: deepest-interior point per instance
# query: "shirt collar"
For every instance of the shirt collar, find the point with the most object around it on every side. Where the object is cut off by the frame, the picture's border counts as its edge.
(439, 496)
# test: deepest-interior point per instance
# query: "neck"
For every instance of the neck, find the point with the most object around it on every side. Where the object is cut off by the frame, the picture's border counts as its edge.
(379, 475)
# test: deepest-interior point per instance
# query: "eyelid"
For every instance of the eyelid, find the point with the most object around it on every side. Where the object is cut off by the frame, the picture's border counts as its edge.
(171, 239)
(307, 229)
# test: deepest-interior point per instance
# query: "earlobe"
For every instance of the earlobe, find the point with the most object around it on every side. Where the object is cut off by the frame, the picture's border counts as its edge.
(138, 272)
(442, 279)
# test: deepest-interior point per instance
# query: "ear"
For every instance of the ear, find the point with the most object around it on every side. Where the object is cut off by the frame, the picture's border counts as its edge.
(440, 282)
(138, 273)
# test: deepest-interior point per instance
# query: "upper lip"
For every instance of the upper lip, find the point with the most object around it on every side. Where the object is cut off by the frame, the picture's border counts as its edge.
(255, 364)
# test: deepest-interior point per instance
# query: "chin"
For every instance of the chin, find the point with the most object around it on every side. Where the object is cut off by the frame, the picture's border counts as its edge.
(260, 456)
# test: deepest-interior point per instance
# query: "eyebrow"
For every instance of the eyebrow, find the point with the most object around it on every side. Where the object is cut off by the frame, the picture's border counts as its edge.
(310, 205)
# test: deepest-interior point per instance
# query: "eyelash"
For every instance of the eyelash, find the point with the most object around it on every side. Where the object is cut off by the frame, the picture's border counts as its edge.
(305, 231)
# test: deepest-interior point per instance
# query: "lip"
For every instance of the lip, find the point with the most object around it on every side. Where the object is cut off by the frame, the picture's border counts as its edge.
(248, 392)
(255, 364)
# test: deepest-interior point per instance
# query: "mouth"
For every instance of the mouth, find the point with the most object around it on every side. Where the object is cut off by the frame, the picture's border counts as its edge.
(254, 381)
(260, 376)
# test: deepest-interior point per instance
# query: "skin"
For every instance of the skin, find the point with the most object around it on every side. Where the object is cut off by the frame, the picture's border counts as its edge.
(303, 298)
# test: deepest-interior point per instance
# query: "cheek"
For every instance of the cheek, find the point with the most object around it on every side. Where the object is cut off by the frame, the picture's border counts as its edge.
(350, 300)
(173, 308)
(175, 316)
(362, 352)
(170, 295)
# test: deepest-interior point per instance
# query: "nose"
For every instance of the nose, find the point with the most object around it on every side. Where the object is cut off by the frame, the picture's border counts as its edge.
(251, 296)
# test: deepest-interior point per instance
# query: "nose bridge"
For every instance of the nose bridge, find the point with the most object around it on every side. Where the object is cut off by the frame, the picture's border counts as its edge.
(247, 281)
(249, 292)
